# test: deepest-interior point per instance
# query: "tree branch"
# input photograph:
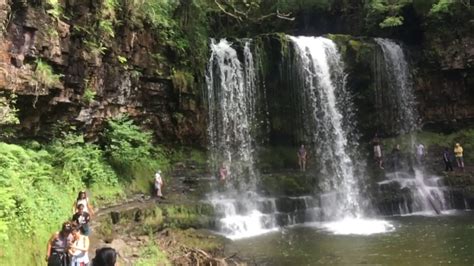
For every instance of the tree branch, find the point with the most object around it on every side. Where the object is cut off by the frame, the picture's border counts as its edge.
(226, 12)
(278, 15)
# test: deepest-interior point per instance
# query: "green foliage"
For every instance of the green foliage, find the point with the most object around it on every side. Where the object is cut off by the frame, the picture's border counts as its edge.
(89, 93)
(8, 111)
(122, 59)
(96, 48)
(85, 160)
(182, 80)
(44, 75)
(391, 22)
(107, 19)
(32, 201)
(39, 183)
(385, 13)
(180, 25)
(158, 13)
(131, 153)
(443, 6)
(106, 28)
(448, 7)
(54, 8)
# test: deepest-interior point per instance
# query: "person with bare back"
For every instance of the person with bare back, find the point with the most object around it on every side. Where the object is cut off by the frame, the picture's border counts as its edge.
(302, 156)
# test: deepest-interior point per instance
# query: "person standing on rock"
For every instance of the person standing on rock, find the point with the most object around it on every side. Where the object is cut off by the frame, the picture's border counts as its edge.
(302, 154)
(79, 248)
(82, 219)
(458, 153)
(159, 184)
(447, 160)
(420, 153)
(223, 172)
(377, 151)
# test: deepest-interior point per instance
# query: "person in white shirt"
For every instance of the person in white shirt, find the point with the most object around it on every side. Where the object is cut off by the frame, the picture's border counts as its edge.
(159, 184)
(84, 200)
(420, 153)
(79, 248)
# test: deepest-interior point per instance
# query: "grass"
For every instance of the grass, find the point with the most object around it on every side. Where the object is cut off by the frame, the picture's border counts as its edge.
(151, 255)
(44, 74)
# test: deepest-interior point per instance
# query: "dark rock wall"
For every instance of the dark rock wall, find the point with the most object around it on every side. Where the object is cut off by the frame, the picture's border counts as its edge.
(140, 87)
(442, 58)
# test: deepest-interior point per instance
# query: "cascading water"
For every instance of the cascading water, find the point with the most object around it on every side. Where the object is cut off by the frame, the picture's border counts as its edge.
(321, 71)
(231, 92)
(231, 108)
(397, 75)
(427, 195)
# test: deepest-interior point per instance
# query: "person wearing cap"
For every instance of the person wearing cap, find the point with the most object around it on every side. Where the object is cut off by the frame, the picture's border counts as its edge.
(159, 184)
(58, 246)
(458, 153)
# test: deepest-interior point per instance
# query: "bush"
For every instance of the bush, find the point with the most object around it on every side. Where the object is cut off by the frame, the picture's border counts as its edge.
(131, 153)
(32, 202)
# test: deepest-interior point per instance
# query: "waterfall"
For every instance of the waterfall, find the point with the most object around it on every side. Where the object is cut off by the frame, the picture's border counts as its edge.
(427, 195)
(231, 105)
(231, 99)
(321, 71)
(400, 86)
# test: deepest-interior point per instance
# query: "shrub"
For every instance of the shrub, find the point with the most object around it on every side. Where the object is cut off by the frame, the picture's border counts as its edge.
(54, 8)
(44, 74)
(88, 95)
(32, 202)
(8, 111)
(131, 153)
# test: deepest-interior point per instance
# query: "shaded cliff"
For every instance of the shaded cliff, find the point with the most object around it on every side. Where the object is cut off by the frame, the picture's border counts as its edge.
(91, 63)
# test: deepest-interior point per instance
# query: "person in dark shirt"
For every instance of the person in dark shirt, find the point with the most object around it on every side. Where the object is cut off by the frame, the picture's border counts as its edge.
(82, 219)
(58, 244)
(447, 160)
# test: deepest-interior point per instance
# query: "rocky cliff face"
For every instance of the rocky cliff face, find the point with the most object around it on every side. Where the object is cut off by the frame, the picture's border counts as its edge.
(62, 76)
(69, 70)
